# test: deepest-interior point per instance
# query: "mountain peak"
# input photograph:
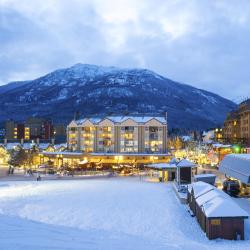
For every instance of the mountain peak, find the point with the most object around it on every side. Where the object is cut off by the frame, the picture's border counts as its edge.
(89, 70)
(99, 90)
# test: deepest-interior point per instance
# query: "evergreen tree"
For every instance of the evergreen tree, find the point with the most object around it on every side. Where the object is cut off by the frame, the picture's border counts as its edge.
(18, 157)
(178, 143)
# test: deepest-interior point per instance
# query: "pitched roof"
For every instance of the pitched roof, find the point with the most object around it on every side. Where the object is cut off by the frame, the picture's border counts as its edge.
(120, 119)
(214, 202)
(185, 163)
(220, 207)
(200, 188)
(162, 165)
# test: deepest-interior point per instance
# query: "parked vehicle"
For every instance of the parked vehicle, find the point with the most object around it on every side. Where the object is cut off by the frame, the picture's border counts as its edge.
(231, 187)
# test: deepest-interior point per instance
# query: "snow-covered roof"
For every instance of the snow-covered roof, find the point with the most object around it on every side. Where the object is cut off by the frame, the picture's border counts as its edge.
(67, 153)
(186, 138)
(219, 207)
(200, 187)
(62, 145)
(173, 161)
(120, 119)
(185, 163)
(210, 194)
(92, 120)
(11, 145)
(214, 202)
(219, 145)
(162, 165)
(43, 145)
(130, 154)
(236, 166)
(208, 136)
(27, 145)
(204, 175)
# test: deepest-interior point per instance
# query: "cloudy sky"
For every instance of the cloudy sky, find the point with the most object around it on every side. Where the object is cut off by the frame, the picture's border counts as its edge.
(204, 43)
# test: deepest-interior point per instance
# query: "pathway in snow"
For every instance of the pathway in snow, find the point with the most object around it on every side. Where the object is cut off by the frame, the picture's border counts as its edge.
(100, 214)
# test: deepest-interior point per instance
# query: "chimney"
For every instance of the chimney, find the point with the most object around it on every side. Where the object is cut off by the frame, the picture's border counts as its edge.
(22, 141)
(5, 142)
(37, 141)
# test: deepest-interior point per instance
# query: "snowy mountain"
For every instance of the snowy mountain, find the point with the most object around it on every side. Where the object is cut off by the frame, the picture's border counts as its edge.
(97, 90)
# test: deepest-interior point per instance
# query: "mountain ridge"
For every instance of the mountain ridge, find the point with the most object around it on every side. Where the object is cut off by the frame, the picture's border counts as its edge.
(101, 90)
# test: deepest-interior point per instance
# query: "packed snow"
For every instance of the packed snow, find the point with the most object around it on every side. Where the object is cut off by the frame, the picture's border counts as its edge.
(114, 213)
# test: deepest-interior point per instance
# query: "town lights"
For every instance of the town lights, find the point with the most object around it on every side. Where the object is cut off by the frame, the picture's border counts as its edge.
(237, 149)
(119, 158)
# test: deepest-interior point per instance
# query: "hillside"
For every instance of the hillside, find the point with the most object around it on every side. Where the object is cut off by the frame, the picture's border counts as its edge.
(97, 90)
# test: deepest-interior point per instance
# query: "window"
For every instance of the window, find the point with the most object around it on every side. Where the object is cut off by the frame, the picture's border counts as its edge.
(153, 129)
(215, 222)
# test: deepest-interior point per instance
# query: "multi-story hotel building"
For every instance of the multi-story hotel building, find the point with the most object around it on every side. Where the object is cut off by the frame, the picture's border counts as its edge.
(237, 125)
(113, 141)
(231, 130)
(113, 134)
(31, 129)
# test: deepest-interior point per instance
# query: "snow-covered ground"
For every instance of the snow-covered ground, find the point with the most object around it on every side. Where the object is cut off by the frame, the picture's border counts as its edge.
(101, 214)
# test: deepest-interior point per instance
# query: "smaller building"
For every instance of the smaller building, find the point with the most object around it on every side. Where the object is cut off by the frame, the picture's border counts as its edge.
(237, 166)
(196, 190)
(31, 129)
(237, 125)
(167, 171)
(218, 134)
(181, 171)
(217, 152)
(184, 171)
(208, 178)
(217, 214)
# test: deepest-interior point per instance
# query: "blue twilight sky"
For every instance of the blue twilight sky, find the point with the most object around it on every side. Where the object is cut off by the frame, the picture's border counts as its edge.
(205, 43)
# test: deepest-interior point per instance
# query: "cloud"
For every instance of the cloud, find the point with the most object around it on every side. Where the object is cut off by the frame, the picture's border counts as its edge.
(202, 43)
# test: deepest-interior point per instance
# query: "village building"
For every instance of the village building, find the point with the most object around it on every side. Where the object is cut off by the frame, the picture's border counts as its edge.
(237, 125)
(31, 129)
(237, 166)
(217, 214)
(180, 171)
(113, 140)
(166, 171)
(208, 178)
(118, 135)
(218, 151)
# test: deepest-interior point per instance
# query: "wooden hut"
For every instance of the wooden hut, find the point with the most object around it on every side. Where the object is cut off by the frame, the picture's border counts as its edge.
(217, 214)
(196, 190)
(224, 219)
(208, 178)
(184, 171)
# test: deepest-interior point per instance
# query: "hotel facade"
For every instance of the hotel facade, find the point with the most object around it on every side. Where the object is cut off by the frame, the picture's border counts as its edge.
(124, 135)
(237, 125)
